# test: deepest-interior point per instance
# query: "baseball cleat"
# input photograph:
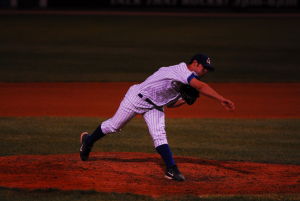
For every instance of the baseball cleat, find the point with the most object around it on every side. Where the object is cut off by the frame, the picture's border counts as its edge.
(84, 149)
(174, 174)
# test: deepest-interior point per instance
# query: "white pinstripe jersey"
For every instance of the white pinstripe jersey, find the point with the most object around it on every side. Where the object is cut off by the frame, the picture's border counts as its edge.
(159, 88)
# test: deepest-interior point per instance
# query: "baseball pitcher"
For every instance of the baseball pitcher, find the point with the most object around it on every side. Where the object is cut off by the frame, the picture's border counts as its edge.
(170, 86)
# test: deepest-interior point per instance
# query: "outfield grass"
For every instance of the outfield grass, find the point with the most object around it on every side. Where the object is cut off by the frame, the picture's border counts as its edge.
(129, 48)
(271, 141)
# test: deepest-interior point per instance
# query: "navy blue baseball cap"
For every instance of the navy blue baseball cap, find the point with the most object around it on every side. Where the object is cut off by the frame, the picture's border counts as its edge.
(204, 60)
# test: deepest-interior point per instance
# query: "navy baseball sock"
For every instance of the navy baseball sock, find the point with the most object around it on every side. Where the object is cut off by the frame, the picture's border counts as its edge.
(166, 154)
(96, 135)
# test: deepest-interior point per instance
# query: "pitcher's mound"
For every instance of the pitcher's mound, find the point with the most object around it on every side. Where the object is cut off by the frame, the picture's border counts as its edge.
(142, 173)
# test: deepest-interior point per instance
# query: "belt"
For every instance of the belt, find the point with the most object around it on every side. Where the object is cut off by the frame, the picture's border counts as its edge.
(160, 108)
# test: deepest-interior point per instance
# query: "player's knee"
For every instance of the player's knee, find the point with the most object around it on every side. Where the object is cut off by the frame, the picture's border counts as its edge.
(159, 136)
(108, 127)
(157, 141)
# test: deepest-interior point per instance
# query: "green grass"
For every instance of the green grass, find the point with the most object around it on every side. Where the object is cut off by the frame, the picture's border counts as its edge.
(129, 48)
(271, 141)
(259, 140)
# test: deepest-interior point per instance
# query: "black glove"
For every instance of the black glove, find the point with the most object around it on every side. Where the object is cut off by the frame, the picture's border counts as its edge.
(188, 93)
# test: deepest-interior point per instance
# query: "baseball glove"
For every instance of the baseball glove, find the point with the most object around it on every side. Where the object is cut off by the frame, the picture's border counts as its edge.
(188, 93)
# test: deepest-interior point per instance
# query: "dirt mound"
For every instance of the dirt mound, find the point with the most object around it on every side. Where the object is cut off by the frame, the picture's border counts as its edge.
(142, 173)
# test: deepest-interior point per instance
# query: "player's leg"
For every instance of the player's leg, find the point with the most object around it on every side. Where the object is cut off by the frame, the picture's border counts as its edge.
(112, 125)
(155, 120)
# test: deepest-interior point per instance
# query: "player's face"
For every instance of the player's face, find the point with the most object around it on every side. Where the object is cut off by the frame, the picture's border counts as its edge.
(200, 70)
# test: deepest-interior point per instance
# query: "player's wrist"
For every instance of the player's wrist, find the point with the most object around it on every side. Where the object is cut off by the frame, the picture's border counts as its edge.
(221, 99)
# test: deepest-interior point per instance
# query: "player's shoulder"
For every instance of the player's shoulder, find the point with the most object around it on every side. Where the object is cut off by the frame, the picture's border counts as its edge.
(173, 68)
(178, 71)
(180, 67)
(181, 72)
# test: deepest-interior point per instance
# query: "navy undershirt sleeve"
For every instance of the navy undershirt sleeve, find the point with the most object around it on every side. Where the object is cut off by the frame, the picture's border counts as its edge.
(191, 77)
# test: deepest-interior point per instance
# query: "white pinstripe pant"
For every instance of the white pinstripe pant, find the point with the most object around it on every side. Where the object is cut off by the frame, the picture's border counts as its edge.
(154, 119)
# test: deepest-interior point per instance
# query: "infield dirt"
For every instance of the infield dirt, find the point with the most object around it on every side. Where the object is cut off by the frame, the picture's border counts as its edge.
(142, 173)
(253, 100)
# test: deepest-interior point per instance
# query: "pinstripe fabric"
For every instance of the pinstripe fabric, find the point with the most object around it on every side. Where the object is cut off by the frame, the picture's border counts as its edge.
(155, 120)
(120, 118)
(159, 89)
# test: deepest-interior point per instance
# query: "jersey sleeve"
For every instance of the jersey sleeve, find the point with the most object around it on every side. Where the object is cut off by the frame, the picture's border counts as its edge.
(185, 76)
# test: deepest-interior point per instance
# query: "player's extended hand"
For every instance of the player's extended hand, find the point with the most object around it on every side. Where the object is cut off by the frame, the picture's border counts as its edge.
(228, 104)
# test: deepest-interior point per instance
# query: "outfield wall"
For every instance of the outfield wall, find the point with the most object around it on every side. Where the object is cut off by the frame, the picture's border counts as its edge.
(226, 5)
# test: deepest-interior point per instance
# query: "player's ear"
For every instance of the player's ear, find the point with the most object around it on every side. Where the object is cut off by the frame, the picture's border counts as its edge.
(195, 62)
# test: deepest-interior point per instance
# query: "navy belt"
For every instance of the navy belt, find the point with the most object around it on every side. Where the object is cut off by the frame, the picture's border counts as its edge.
(160, 108)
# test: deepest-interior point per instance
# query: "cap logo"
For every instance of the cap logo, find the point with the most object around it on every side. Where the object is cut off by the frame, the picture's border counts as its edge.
(208, 60)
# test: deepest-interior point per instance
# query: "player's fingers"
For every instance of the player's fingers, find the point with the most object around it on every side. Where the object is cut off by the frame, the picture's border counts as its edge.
(232, 106)
(228, 105)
